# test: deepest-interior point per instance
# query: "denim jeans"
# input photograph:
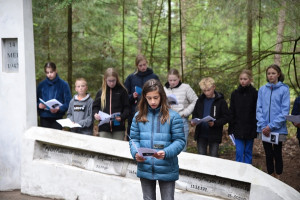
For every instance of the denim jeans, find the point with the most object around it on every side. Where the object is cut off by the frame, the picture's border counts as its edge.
(167, 189)
(273, 152)
(202, 144)
(186, 132)
(243, 151)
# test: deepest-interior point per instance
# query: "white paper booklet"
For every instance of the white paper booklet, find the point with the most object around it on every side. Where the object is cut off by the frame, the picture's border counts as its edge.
(293, 118)
(205, 119)
(144, 152)
(232, 139)
(51, 104)
(172, 100)
(105, 118)
(67, 123)
(273, 138)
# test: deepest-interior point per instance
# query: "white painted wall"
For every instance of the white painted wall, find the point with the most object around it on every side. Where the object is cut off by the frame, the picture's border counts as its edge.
(17, 90)
(58, 179)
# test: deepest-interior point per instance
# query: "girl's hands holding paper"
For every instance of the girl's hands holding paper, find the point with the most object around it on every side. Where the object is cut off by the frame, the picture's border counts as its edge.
(159, 155)
(139, 158)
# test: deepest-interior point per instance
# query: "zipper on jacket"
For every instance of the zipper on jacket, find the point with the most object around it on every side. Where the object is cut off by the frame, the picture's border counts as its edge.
(152, 136)
(110, 121)
(270, 104)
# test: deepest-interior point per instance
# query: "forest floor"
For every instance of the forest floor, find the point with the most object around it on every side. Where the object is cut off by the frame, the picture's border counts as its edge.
(290, 154)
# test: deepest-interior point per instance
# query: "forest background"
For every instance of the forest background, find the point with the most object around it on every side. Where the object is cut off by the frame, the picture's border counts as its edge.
(200, 38)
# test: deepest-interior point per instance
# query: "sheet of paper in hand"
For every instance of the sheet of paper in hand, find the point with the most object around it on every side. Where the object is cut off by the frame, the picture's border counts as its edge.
(67, 123)
(51, 104)
(144, 152)
(293, 118)
(205, 119)
(273, 138)
(105, 118)
(172, 100)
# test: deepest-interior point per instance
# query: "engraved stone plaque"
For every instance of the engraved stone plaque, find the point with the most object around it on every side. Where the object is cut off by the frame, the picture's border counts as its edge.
(10, 55)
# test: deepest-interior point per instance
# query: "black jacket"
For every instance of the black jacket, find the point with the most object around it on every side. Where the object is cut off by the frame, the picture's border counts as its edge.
(243, 113)
(119, 103)
(219, 111)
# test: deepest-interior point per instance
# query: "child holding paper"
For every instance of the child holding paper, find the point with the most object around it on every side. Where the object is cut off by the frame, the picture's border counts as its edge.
(296, 111)
(134, 82)
(80, 108)
(53, 87)
(112, 98)
(273, 104)
(158, 127)
(185, 96)
(210, 103)
(243, 117)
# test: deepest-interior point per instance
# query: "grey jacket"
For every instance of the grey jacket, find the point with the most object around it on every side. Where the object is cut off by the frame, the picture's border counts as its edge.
(81, 112)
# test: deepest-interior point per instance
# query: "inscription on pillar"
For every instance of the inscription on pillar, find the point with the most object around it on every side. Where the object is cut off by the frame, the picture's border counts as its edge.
(10, 55)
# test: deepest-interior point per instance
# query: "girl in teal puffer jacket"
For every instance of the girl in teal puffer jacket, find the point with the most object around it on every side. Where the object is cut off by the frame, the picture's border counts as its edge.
(157, 127)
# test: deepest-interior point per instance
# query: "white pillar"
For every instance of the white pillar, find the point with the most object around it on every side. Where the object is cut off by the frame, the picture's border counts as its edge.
(17, 87)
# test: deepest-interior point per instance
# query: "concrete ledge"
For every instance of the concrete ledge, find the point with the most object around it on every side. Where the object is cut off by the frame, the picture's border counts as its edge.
(64, 165)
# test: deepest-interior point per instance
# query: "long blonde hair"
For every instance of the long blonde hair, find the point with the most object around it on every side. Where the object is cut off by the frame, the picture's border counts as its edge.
(150, 86)
(108, 72)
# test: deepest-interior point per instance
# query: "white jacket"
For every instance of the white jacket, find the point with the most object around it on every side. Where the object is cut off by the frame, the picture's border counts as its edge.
(186, 98)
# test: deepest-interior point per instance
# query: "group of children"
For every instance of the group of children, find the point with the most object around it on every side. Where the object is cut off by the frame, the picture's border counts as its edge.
(154, 123)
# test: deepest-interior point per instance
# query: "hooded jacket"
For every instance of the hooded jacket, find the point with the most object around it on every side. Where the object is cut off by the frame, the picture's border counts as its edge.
(186, 98)
(81, 112)
(219, 111)
(137, 79)
(152, 134)
(116, 101)
(296, 111)
(54, 89)
(273, 104)
(243, 113)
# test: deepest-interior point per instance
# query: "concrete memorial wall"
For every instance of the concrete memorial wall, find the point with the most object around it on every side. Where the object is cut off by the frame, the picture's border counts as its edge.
(17, 87)
(65, 165)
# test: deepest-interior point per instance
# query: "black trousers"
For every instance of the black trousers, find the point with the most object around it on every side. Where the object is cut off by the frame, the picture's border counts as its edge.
(50, 123)
(273, 153)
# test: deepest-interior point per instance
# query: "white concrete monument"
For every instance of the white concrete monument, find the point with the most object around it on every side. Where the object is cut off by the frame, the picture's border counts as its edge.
(17, 87)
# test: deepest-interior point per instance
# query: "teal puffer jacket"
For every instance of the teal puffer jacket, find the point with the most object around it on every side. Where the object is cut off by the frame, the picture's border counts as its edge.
(152, 134)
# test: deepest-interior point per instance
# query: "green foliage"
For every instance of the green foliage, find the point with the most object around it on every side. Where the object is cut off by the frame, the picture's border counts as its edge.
(216, 35)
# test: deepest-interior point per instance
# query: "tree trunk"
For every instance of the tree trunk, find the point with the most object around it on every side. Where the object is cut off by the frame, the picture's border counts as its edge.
(70, 45)
(140, 16)
(123, 41)
(280, 30)
(259, 42)
(169, 36)
(182, 5)
(249, 34)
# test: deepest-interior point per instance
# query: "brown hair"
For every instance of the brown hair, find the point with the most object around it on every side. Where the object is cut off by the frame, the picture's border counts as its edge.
(50, 65)
(248, 73)
(276, 68)
(150, 86)
(174, 72)
(108, 72)
(81, 79)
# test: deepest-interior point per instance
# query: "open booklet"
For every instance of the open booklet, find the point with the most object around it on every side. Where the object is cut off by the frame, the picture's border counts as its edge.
(67, 123)
(205, 119)
(293, 118)
(51, 104)
(273, 138)
(172, 100)
(105, 118)
(144, 152)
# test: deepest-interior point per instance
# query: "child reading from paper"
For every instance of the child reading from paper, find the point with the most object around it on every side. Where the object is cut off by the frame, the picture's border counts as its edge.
(112, 98)
(273, 104)
(80, 108)
(185, 95)
(53, 87)
(210, 103)
(156, 126)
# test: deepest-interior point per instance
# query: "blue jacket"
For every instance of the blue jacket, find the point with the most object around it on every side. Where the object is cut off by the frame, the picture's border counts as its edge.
(137, 79)
(152, 134)
(56, 89)
(273, 104)
(296, 111)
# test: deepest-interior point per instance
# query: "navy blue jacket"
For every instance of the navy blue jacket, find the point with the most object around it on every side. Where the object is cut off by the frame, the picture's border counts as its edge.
(137, 79)
(54, 89)
(168, 137)
(296, 111)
